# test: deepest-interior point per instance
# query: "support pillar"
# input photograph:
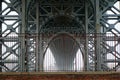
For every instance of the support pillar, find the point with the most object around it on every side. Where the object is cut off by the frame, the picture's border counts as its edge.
(37, 35)
(0, 40)
(97, 37)
(41, 53)
(41, 48)
(23, 49)
(86, 43)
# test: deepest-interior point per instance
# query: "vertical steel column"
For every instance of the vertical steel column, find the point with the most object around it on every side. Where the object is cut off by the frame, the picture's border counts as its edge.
(41, 52)
(23, 50)
(0, 40)
(86, 43)
(97, 37)
(37, 35)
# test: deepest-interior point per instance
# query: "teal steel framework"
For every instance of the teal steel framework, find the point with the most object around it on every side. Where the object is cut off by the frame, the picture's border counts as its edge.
(26, 27)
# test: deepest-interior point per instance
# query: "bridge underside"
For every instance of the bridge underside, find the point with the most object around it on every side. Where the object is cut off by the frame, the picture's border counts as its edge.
(64, 50)
(29, 27)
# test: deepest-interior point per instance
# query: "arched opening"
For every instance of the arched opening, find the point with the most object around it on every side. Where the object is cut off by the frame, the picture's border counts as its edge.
(63, 54)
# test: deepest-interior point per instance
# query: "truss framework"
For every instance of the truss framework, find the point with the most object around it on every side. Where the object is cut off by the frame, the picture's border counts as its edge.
(26, 27)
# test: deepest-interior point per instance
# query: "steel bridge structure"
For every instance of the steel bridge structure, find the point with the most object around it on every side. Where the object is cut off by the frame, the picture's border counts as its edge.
(29, 27)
